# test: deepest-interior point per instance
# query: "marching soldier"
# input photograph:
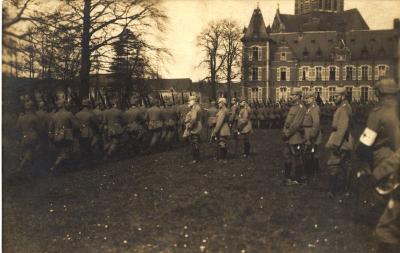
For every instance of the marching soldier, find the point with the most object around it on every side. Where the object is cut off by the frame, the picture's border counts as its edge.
(193, 127)
(113, 122)
(154, 121)
(62, 126)
(312, 134)
(293, 137)
(244, 126)
(100, 136)
(170, 117)
(134, 118)
(29, 125)
(88, 130)
(378, 142)
(340, 143)
(221, 131)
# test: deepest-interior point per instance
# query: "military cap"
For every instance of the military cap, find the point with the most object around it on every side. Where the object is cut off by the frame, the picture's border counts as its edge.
(296, 91)
(85, 102)
(243, 102)
(310, 94)
(340, 91)
(192, 98)
(222, 100)
(233, 100)
(387, 86)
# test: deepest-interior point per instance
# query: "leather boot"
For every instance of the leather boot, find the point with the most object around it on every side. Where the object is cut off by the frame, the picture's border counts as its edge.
(246, 149)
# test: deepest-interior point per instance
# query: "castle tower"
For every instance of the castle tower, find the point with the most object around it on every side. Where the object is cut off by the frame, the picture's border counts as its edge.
(306, 6)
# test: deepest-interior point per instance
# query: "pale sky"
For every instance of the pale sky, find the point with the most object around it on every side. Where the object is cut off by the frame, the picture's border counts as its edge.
(188, 17)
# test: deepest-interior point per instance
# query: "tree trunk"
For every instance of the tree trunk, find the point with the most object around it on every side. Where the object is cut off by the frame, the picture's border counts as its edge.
(85, 57)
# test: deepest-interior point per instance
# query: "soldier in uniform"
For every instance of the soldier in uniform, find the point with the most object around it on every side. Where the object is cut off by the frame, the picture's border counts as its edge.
(154, 121)
(134, 118)
(62, 128)
(99, 138)
(221, 131)
(170, 118)
(378, 142)
(340, 144)
(45, 119)
(294, 139)
(193, 127)
(89, 128)
(113, 122)
(211, 118)
(29, 125)
(244, 126)
(312, 134)
(233, 116)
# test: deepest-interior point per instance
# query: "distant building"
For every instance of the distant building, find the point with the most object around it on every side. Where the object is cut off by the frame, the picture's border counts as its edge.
(318, 48)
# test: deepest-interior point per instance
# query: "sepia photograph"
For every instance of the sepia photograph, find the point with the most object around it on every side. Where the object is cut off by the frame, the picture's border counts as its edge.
(216, 126)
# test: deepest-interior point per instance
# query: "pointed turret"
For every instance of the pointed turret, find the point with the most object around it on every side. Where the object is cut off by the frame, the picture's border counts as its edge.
(256, 29)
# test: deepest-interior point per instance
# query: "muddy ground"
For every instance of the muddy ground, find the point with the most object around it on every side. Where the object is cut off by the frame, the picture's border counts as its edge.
(159, 203)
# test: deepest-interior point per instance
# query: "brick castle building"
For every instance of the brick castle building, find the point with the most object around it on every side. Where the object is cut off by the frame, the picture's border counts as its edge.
(320, 47)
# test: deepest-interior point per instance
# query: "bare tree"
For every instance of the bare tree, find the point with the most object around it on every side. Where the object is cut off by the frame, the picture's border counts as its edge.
(231, 45)
(104, 20)
(210, 40)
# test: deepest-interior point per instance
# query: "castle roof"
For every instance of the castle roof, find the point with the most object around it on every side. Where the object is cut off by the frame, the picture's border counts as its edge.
(319, 21)
(256, 29)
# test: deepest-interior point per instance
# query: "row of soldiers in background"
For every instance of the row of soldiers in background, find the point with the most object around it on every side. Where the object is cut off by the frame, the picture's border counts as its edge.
(378, 147)
(273, 115)
(102, 131)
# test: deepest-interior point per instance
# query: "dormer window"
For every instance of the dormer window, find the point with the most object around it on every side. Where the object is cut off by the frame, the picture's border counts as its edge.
(364, 52)
(305, 53)
(283, 56)
(319, 52)
(313, 41)
(382, 52)
(255, 53)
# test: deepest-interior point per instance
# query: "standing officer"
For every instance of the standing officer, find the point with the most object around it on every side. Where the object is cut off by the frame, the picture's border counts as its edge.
(29, 125)
(340, 143)
(113, 125)
(193, 127)
(312, 134)
(45, 119)
(221, 131)
(378, 142)
(134, 118)
(211, 118)
(99, 138)
(154, 121)
(244, 126)
(89, 128)
(62, 126)
(294, 139)
(233, 116)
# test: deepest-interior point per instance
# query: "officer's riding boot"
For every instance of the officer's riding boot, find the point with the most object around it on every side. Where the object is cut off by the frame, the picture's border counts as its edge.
(315, 167)
(333, 185)
(246, 149)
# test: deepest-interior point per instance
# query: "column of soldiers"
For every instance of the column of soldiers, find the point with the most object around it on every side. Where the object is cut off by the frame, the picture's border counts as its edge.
(378, 147)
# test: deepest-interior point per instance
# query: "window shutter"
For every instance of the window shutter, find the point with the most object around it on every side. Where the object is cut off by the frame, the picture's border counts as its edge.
(259, 53)
(287, 73)
(370, 93)
(325, 93)
(313, 72)
(337, 72)
(377, 72)
(249, 95)
(277, 95)
(250, 53)
(260, 93)
(250, 74)
(354, 74)
(324, 73)
(259, 74)
(356, 92)
(300, 74)
(369, 72)
(278, 74)
(345, 73)
(359, 73)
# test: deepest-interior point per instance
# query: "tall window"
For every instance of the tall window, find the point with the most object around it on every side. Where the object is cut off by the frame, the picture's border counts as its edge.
(319, 73)
(349, 91)
(255, 54)
(283, 74)
(331, 92)
(283, 56)
(304, 73)
(254, 94)
(349, 73)
(320, 4)
(364, 73)
(332, 73)
(335, 5)
(318, 91)
(254, 74)
(381, 71)
(328, 4)
(283, 93)
(364, 94)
